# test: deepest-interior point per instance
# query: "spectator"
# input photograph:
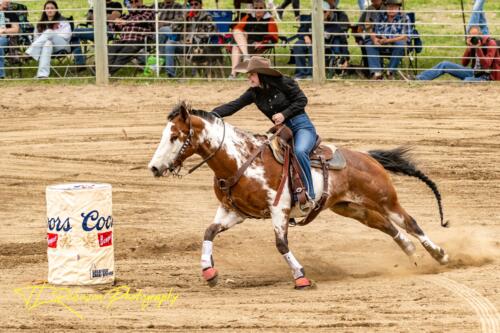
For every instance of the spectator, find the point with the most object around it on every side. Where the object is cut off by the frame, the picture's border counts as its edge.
(481, 54)
(296, 8)
(478, 17)
(389, 35)
(52, 34)
(113, 12)
(371, 15)
(199, 27)
(9, 24)
(242, 12)
(336, 24)
(170, 13)
(336, 28)
(134, 28)
(255, 33)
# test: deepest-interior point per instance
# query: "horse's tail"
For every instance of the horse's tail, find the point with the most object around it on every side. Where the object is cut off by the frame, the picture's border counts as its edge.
(398, 161)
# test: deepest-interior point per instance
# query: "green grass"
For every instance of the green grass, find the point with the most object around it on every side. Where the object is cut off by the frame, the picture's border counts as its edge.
(430, 24)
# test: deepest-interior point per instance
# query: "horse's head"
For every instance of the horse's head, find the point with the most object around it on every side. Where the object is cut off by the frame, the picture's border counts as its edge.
(179, 141)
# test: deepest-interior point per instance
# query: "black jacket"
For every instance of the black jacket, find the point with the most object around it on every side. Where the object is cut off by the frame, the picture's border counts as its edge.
(283, 94)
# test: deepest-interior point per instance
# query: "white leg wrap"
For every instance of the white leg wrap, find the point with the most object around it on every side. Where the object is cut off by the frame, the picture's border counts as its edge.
(405, 243)
(426, 242)
(206, 254)
(294, 265)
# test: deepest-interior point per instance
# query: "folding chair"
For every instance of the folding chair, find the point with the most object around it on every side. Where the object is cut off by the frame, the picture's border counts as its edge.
(63, 60)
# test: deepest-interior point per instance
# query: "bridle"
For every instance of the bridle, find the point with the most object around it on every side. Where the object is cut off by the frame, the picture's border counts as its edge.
(176, 166)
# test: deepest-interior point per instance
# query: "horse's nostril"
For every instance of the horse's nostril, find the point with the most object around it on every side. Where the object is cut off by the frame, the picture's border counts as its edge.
(155, 171)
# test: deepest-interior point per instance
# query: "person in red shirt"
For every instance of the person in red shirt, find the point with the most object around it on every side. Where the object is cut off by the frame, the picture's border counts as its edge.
(483, 56)
(254, 34)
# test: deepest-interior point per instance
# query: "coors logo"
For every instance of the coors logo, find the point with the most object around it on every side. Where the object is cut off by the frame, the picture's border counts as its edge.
(52, 240)
(105, 238)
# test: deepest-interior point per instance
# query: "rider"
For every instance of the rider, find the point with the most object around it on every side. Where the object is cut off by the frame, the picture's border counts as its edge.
(280, 98)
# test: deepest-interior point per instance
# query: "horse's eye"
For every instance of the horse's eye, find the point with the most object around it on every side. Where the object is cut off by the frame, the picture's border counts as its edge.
(174, 137)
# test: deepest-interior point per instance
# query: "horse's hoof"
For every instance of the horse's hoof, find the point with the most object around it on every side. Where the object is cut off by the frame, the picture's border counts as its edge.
(303, 283)
(210, 275)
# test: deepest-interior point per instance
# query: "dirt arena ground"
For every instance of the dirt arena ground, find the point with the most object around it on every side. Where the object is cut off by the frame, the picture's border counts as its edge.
(53, 134)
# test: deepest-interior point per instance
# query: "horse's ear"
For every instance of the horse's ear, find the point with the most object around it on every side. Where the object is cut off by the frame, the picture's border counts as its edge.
(184, 111)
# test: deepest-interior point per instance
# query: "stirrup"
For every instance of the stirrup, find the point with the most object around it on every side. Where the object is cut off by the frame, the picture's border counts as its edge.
(292, 222)
(307, 207)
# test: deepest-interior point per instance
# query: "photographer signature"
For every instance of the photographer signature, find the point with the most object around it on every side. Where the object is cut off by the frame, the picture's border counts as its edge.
(37, 295)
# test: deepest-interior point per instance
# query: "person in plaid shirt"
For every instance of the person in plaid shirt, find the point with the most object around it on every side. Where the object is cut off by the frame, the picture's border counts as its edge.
(133, 29)
(389, 35)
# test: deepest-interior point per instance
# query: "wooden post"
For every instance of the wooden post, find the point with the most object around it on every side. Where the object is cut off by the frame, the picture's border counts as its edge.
(318, 41)
(101, 42)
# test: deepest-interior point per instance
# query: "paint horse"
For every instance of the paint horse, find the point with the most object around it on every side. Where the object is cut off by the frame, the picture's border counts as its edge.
(362, 190)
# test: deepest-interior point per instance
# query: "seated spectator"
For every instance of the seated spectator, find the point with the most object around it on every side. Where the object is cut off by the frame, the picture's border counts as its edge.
(52, 34)
(113, 11)
(478, 17)
(199, 28)
(170, 13)
(364, 28)
(133, 28)
(336, 27)
(336, 24)
(256, 33)
(9, 24)
(481, 53)
(296, 8)
(389, 35)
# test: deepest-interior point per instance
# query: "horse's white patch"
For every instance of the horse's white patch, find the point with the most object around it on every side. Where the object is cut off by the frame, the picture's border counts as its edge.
(214, 132)
(295, 266)
(166, 151)
(226, 218)
(398, 219)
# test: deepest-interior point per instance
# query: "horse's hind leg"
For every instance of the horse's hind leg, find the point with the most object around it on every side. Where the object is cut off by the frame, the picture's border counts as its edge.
(399, 216)
(377, 220)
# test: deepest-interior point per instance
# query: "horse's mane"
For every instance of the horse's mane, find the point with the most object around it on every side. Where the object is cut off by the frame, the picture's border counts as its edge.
(209, 116)
(195, 112)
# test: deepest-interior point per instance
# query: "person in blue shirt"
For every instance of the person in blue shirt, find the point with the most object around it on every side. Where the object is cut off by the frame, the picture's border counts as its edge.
(389, 36)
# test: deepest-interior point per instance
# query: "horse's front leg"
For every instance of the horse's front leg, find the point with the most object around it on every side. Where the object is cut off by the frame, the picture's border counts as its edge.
(224, 219)
(280, 223)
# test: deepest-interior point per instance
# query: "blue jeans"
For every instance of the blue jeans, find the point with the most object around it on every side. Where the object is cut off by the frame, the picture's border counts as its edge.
(304, 135)
(373, 54)
(4, 42)
(303, 59)
(456, 70)
(171, 50)
(82, 35)
(478, 18)
(166, 39)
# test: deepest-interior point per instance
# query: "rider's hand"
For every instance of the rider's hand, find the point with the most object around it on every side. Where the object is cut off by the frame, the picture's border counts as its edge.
(278, 118)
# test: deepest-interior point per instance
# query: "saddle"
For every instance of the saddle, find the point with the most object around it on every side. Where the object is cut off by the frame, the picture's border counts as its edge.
(324, 157)
(331, 155)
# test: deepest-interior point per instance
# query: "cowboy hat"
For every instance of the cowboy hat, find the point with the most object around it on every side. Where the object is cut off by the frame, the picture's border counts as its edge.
(394, 2)
(257, 64)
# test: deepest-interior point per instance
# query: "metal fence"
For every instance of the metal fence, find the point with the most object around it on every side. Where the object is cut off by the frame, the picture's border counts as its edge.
(185, 49)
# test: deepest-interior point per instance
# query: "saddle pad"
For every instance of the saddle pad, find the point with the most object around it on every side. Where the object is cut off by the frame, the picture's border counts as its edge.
(337, 162)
